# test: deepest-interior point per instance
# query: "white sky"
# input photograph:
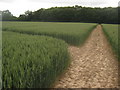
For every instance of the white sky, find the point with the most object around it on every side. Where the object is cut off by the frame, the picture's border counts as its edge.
(18, 7)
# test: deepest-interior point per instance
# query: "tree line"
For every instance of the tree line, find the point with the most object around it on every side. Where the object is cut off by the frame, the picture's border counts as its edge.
(69, 14)
(6, 15)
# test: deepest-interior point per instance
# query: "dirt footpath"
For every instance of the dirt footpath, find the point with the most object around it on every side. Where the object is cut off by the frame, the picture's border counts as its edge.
(93, 64)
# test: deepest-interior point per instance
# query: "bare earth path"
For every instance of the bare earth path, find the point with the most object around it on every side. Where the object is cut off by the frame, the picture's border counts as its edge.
(93, 65)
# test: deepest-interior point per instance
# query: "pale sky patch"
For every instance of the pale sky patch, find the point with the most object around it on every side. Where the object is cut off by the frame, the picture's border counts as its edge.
(18, 7)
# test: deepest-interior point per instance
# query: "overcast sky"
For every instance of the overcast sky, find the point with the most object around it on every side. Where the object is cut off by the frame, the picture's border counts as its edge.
(18, 7)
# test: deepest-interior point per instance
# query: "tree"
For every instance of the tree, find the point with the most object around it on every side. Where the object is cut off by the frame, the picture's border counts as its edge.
(7, 16)
(73, 14)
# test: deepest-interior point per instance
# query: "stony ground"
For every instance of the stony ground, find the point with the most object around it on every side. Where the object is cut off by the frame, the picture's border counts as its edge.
(93, 65)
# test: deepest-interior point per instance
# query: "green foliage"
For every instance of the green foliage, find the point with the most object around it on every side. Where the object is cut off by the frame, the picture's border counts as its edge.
(7, 16)
(73, 14)
(111, 32)
(67, 14)
(72, 33)
(32, 61)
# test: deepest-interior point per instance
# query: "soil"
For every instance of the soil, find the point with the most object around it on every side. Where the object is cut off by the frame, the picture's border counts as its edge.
(93, 64)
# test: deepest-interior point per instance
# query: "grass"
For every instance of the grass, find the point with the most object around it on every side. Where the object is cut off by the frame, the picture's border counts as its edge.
(72, 33)
(111, 32)
(34, 55)
(32, 61)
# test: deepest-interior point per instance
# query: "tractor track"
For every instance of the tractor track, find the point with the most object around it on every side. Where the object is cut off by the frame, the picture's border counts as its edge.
(93, 64)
